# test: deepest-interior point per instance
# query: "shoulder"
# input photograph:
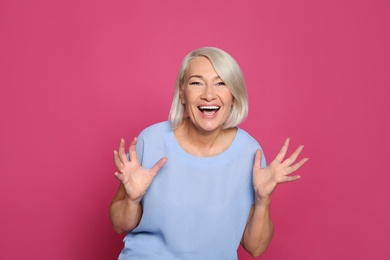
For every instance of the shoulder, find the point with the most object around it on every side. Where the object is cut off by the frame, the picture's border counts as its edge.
(155, 134)
(245, 138)
(156, 130)
(250, 144)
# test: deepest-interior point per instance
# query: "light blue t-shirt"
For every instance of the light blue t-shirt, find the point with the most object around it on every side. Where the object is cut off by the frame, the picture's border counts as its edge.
(196, 207)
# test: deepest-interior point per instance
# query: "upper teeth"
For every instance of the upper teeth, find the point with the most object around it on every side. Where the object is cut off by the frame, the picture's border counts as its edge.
(209, 107)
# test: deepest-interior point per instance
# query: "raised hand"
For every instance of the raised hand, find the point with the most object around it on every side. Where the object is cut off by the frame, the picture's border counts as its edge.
(278, 171)
(135, 179)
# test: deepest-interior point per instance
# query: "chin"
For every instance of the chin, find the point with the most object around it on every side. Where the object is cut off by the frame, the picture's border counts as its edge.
(210, 128)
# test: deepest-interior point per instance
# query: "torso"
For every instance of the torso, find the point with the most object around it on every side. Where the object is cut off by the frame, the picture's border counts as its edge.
(197, 207)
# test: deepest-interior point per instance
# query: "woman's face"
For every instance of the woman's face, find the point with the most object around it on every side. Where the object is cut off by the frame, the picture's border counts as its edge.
(206, 98)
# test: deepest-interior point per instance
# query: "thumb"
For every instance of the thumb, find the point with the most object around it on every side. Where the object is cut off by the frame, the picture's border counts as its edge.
(258, 156)
(158, 165)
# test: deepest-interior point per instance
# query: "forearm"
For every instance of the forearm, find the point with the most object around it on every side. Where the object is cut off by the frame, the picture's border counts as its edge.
(125, 215)
(259, 230)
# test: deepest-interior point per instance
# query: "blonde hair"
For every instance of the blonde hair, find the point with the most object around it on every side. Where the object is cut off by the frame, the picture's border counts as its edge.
(228, 70)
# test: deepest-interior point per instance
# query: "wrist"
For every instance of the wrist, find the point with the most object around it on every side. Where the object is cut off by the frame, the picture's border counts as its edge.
(263, 201)
(131, 202)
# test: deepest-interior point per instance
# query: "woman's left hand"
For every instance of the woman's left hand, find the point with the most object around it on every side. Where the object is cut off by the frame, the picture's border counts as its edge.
(278, 171)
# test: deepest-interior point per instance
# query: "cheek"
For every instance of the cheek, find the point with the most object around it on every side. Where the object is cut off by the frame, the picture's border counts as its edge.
(188, 97)
(229, 98)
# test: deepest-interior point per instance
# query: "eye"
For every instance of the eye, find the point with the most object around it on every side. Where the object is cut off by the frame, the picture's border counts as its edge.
(195, 83)
(221, 83)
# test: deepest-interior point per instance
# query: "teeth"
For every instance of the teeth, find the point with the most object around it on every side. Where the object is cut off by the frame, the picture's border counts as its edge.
(209, 107)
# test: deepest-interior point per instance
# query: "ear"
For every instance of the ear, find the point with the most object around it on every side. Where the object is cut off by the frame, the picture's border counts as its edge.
(181, 92)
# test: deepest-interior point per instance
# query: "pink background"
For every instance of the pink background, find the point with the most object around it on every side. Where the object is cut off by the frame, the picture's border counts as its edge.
(76, 76)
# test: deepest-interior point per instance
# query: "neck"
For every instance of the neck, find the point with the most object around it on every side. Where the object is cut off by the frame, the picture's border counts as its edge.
(203, 143)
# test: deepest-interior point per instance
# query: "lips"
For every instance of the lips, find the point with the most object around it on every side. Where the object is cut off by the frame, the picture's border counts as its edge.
(209, 110)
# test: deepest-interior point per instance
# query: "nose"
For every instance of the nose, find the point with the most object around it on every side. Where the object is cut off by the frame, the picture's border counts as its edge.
(209, 92)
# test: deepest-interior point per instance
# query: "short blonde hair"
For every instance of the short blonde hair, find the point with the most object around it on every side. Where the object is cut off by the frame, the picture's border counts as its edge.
(228, 70)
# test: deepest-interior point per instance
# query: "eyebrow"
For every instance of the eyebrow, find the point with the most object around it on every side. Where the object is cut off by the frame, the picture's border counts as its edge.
(201, 77)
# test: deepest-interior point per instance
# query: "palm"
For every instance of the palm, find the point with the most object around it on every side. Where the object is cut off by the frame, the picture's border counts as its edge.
(278, 171)
(135, 179)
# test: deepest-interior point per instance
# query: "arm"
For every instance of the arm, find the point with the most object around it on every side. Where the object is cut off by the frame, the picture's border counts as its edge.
(259, 229)
(125, 214)
(125, 208)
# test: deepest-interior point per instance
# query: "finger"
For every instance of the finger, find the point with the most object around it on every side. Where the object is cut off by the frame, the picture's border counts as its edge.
(293, 157)
(121, 150)
(257, 161)
(283, 151)
(296, 166)
(119, 176)
(133, 150)
(117, 160)
(158, 165)
(291, 178)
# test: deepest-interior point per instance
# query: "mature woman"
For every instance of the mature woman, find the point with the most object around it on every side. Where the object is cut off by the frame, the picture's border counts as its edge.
(197, 186)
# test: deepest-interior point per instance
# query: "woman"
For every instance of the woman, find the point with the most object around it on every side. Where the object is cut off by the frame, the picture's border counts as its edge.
(213, 189)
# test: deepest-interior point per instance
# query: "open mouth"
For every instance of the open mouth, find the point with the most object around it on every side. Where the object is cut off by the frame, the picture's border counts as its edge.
(209, 110)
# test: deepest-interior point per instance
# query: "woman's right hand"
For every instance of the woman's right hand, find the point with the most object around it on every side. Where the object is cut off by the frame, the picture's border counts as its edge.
(135, 179)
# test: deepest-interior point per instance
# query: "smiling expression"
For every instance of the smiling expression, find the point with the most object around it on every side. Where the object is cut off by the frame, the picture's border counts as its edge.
(206, 98)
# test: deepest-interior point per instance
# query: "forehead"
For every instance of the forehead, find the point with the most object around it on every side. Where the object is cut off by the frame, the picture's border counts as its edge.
(201, 66)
